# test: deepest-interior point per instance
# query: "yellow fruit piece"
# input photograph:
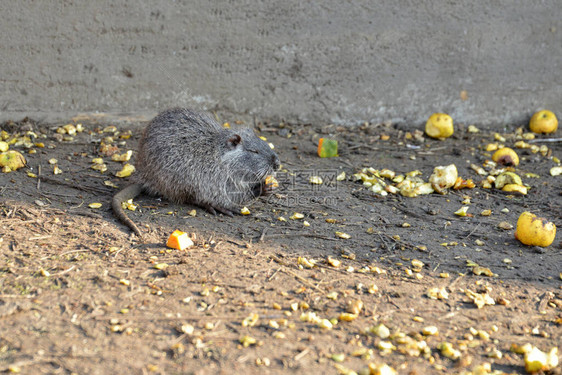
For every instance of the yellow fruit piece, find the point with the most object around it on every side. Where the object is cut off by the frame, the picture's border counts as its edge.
(387, 173)
(499, 137)
(123, 157)
(536, 360)
(94, 205)
(99, 167)
(380, 330)
(272, 182)
(338, 357)
(479, 270)
(506, 156)
(325, 323)
(69, 129)
(462, 211)
(12, 160)
(247, 341)
(443, 178)
(543, 122)
(315, 180)
(437, 293)
(4, 146)
(491, 147)
(179, 240)
(534, 231)
(448, 351)
(333, 262)
(129, 205)
(44, 273)
(423, 189)
(507, 178)
(251, 320)
(381, 369)
(347, 317)
(439, 125)
(430, 331)
(127, 170)
(354, 307)
(302, 261)
(472, 129)
(515, 188)
(461, 183)
(343, 235)
(555, 171)
(244, 211)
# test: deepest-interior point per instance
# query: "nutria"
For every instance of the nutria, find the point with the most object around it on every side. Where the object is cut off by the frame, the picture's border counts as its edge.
(188, 157)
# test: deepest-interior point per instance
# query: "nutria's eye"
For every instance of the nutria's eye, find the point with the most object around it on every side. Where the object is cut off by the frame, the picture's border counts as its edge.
(254, 151)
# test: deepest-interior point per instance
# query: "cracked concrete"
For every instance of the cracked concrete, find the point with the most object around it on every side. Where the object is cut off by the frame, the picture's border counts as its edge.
(329, 61)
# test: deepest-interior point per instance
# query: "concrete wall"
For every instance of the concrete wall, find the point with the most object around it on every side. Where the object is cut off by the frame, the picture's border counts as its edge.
(322, 61)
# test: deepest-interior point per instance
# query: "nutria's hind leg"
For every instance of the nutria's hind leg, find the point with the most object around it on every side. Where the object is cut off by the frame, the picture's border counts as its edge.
(213, 210)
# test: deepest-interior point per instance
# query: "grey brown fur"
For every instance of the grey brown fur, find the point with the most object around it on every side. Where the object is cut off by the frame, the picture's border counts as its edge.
(188, 157)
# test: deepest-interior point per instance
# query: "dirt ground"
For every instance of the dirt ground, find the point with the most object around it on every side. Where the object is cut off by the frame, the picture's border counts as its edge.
(264, 293)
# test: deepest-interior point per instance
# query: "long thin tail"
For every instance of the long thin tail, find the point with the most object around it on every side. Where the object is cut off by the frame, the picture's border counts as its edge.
(127, 193)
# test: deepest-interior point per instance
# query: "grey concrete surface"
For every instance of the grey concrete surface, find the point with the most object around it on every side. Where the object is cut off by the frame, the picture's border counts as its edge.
(319, 61)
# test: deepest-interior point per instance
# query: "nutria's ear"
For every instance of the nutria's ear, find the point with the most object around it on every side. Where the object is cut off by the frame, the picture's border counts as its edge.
(234, 140)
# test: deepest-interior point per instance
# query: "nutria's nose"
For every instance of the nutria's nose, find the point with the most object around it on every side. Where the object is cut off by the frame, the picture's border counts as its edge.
(275, 161)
